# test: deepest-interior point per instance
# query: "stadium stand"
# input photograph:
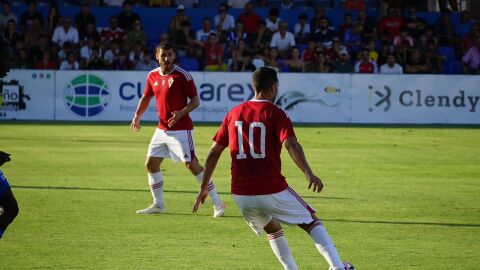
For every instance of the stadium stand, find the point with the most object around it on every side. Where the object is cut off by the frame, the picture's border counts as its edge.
(156, 22)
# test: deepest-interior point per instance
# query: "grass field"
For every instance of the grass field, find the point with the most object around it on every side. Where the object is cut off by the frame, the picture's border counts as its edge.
(394, 198)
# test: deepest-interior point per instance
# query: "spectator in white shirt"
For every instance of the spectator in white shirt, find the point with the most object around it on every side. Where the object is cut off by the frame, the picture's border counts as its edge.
(302, 29)
(65, 32)
(112, 53)
(391, 67)
(202, 34)
(224, 21)
(283, 40)
(70, 63)
(273, 21)
(86, 50)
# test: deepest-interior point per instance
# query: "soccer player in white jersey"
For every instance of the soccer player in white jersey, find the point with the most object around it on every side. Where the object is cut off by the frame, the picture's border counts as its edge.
(255, 132)
(176, 96)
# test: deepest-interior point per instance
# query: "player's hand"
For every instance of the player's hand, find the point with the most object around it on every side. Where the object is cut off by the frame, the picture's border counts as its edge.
(200, 199)
(4, 157)
(314, 181)
(135, 125)
(177, 115)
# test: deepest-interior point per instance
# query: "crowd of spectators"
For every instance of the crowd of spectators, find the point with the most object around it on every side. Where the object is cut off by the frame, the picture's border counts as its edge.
(398, 42)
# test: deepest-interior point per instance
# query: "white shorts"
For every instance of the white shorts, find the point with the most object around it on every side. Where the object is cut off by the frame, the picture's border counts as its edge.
(285, 206)
(175, 144)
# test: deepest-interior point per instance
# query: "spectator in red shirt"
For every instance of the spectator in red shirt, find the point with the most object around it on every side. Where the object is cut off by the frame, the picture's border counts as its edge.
(391, 24)
(113, 32)
(250, 19)
(308, 55)
(365, 65)
(46, 62)
(355, 5)
(213, 52)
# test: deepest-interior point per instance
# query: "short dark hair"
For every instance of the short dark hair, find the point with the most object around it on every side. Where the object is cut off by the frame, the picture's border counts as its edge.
(164, 46)
(264, 78)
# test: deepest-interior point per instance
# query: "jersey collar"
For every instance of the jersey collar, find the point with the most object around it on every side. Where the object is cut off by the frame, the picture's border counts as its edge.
(160, 70)
(260, 100)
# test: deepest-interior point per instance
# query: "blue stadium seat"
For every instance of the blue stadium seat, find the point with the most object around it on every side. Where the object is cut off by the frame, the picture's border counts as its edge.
(451, 67)
(447, 52)
(189, 63)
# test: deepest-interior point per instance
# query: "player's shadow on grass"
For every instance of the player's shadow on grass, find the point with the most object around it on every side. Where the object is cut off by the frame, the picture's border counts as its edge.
(146, 190)
(404, 223)
(447, 224)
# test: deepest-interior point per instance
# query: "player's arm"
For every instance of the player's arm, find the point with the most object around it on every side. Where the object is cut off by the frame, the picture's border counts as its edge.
(210, 164)
(295, 151)
(177, 115)
(141, 108)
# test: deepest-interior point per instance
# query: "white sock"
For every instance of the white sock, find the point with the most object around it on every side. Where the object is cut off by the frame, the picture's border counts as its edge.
(212, 191)
(155, 180)
(280, 247)
(326, 247)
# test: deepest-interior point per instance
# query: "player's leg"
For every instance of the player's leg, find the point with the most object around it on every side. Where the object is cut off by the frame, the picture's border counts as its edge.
(10, 210)
(290, 208)
(279, 244)
(255, 209)
(197, 170)
(157, 151)
(324, 243)
(155, 182)
(182, 147)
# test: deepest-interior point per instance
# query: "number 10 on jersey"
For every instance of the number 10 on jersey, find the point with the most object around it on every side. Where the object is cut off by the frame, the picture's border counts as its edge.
(241, 153)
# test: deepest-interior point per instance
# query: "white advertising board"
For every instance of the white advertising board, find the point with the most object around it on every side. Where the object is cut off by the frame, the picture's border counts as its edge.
(27, 95)
(308, 98)
(418, 99)
(100, 96)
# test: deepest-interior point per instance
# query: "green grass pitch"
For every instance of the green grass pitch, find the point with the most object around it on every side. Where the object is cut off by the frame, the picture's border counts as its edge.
(394, 198)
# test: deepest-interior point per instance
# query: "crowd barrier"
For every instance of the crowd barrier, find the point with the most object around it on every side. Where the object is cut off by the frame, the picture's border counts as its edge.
(307, 98)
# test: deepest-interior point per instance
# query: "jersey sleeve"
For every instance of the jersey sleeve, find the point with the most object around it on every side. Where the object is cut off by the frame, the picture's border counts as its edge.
(284, 125)
(221, 137)
(190, 88)
(148, 91)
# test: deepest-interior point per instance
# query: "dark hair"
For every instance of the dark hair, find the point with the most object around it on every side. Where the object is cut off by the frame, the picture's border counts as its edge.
(264, 78)
(274, 12)
(302, 16)
(164, 46)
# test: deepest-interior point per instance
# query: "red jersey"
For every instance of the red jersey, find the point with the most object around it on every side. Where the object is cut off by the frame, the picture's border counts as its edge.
(212, 53)
(171, 92)
(391, 25)
(250, 22)
(255, 131)
(367, 67)
(109, 34)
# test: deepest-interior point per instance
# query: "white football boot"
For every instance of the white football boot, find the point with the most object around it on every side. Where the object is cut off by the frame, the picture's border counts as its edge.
(218, 209)
(152, 209)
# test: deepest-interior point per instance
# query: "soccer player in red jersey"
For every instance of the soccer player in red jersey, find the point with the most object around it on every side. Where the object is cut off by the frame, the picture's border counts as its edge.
(176, 96)
(255, 132)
